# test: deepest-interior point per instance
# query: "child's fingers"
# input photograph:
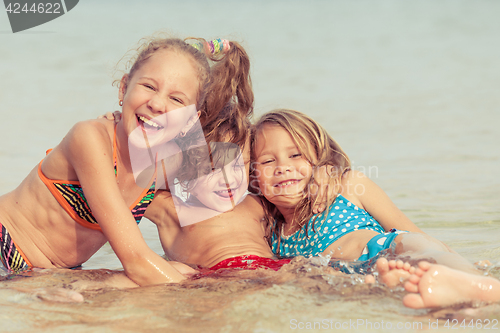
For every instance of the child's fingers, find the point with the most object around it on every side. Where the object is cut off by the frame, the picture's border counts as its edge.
(108, 116)
(321, 189)
(318, 208)
(117, 116)
(183, 269)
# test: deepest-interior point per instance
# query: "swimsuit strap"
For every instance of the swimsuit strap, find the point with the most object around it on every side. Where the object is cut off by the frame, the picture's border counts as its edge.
(71, 197)
(140, 205)
(115, 154)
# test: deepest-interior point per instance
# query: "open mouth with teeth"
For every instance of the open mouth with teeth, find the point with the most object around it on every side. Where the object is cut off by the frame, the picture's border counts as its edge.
(148, 124)
(225, 194)
(287, 183)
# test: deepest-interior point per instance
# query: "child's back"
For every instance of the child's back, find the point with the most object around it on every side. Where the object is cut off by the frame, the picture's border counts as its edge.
(237, 232)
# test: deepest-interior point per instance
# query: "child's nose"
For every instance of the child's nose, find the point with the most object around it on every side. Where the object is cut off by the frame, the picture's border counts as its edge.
(156, 104)
(227, 177)
(281, 169)
(231, 177)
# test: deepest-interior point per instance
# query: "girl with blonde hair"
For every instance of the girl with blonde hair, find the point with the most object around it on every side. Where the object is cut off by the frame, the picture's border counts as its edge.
(287, 146)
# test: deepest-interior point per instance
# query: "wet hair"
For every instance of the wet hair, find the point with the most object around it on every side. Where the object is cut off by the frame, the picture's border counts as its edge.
(224, 79)
(316, 146)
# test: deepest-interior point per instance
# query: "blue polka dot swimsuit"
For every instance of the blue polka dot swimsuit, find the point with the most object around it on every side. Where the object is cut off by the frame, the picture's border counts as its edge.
(341, 218)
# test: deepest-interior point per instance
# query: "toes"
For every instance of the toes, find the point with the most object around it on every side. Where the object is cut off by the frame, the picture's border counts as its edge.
(424, 265)
(419, 272)
(415, 279)
(382, 265)
(369, 279)
(399, 264)
(413, 301)
(406, 266)
(411, 287)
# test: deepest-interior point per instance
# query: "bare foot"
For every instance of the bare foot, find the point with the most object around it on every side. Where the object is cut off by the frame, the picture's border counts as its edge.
(438, 286)
(369, 279)
(394, 272)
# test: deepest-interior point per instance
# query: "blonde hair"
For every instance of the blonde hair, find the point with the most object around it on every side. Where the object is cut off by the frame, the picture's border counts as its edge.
(317, 147)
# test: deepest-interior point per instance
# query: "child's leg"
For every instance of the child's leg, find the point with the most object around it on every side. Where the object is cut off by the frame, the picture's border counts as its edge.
(418, 246)
(436, 285)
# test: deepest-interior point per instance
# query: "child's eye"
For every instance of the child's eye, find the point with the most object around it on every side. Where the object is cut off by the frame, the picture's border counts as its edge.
(216, 171)
(178, 100)
(238, 167)
(149, 86)
(207, 170)
(266, 162)
(296, 155)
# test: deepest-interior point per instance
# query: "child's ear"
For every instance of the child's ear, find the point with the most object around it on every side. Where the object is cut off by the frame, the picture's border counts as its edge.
(123, 87)
(191, 121)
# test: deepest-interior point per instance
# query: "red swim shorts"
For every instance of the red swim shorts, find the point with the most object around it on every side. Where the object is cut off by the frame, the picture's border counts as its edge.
(251, 262)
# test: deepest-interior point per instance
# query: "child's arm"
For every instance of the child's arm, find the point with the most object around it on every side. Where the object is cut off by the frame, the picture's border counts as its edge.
(88, 149)
(376, 202)
(163, 214)
(162, 210)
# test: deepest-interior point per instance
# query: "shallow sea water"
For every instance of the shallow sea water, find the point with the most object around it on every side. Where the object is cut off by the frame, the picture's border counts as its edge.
(409, 89)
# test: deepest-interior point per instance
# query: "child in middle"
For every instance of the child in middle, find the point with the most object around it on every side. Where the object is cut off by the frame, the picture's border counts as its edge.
(228, 231)
(203, 232)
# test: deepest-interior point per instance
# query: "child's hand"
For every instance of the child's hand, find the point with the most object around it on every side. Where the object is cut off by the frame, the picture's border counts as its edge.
(322, 188)
(116, 116)
(183, 269)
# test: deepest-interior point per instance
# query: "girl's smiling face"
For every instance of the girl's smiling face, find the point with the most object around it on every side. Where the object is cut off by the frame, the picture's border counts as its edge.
(160, 98)
(280, 168)
(224, 183)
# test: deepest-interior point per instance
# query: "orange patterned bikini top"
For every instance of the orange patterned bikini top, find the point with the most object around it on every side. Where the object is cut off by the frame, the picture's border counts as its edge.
(70, 196)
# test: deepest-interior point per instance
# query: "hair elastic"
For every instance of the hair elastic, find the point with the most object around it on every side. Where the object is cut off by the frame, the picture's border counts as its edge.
(215, 46)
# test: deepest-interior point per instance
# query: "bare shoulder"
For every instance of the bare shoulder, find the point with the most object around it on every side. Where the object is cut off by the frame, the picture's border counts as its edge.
(354, 185)
(161, 208)
(251, 206)
(87, 139)
(356, 180)
(251, 200)
(88, 132)
(84, 141)
(366, 194)
(354, 177)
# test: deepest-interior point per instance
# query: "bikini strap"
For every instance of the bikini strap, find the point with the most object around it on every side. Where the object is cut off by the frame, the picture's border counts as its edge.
(115, 154)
